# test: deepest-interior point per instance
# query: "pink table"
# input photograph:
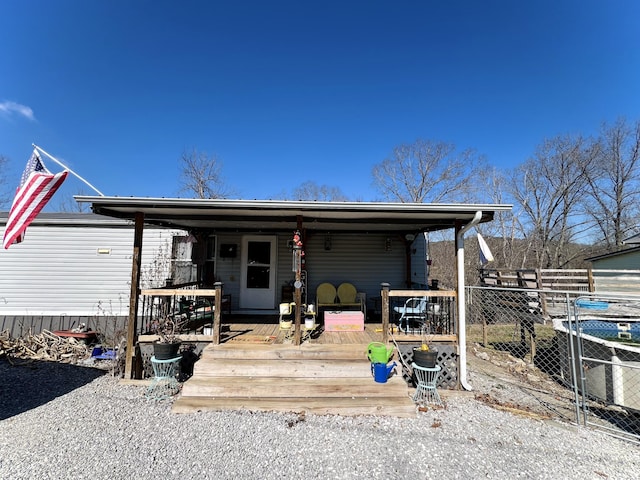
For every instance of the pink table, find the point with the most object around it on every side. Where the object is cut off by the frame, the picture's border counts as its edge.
(343, 321)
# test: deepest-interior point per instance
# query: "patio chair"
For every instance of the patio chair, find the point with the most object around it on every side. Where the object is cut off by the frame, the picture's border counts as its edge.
(348, 296)
(413, 314)
(308, 325)
(326, 295)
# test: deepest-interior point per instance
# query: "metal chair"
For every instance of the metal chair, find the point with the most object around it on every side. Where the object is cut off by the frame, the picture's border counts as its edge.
(348, 296)
(308, 326)
(413, 314)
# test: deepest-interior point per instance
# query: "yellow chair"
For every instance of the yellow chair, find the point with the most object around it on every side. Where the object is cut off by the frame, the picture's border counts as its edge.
(348, 296)
(325, 295)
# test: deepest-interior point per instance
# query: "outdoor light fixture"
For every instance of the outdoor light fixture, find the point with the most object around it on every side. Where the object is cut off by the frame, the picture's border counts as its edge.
(327, 242)
(104, 251)
(387, 244)
(410, 237)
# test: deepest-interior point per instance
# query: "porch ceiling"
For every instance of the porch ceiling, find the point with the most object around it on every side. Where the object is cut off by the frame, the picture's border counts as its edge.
(218, 215)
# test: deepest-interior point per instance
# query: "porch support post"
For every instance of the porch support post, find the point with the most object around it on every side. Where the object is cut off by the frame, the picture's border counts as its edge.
(217, 312)
(385, 312)
(132, 326)
(297, 296)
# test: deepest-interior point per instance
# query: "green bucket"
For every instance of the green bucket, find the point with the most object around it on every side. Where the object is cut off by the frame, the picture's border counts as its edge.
(379, 353)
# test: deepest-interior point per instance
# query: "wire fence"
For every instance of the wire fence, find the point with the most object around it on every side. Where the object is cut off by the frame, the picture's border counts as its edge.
(586, 347)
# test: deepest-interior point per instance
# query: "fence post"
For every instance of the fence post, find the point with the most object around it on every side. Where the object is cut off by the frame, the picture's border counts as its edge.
(532, 341)
(541, 295)
(485, 328)
(592, 287)
(385, 311)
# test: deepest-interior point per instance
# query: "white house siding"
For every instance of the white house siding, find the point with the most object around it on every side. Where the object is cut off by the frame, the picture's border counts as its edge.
(58, 270)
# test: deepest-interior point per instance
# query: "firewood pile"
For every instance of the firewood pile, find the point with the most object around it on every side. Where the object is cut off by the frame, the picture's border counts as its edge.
(43, 346)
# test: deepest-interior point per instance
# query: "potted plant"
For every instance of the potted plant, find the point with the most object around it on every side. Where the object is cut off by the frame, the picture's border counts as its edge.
(168, 344)
(425, 355)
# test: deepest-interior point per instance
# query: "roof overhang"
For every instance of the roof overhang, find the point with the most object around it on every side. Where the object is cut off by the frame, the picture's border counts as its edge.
(614, 254)
(222, 215)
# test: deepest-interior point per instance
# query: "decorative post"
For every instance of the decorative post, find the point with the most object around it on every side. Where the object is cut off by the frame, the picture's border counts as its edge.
(385, 312)
(298, 253)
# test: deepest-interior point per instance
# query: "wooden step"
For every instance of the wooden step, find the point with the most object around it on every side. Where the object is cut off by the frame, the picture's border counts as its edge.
(306, 351)
(282, 368)
(263, 387)
(312, 378)
(381, 406)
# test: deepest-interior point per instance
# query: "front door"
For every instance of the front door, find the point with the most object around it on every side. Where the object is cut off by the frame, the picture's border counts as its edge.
(258, 276)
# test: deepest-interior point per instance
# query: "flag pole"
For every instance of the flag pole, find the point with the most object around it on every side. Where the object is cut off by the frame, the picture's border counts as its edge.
(67, 168)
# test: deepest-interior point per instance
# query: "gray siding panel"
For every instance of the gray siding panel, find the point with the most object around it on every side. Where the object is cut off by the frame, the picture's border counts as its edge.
(358, 259)
(623, 261)
(57, 270)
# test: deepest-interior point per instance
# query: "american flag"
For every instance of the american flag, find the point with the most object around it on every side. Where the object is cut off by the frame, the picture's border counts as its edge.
(37, 186)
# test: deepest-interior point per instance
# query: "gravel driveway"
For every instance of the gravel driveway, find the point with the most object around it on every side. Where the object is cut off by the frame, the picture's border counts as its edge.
(71, 422)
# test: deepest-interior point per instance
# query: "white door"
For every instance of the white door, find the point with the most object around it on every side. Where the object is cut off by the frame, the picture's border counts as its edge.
(258, 275)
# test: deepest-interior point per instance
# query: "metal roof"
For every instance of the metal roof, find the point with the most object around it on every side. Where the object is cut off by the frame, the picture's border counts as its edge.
(220, 215)
(624, 251)
(72, 219)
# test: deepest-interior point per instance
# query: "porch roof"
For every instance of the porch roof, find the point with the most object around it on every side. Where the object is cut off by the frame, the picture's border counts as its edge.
(220, 215)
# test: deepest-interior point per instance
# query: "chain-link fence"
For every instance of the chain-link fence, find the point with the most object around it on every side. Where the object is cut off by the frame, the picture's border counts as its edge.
(587, 347)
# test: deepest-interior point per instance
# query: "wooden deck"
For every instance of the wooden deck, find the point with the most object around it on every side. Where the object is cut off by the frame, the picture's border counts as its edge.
(255, 367)
(235, 330)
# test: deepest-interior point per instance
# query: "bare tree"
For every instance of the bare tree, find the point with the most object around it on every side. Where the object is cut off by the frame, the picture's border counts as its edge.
(505, 228)
(310, 190)
(549, 188)
(201, 176)
(613, 200)
(427, 171)
(67, 204)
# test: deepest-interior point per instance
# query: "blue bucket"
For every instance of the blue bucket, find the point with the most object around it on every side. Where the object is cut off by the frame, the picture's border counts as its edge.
(381, 371)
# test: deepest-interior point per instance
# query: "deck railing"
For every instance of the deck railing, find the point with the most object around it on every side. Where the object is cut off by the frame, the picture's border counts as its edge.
(437, 321)
(192, 304)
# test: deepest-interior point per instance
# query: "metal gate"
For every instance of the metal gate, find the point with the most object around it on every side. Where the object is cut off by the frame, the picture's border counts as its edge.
(601, 357)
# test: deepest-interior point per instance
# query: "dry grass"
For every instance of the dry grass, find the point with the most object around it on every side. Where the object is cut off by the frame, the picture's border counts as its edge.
(506, 333)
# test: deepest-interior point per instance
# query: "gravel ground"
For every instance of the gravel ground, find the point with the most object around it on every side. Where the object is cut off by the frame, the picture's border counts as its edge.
(62, 421)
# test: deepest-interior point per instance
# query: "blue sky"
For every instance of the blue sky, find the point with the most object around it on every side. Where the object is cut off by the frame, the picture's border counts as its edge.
(287, 92)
